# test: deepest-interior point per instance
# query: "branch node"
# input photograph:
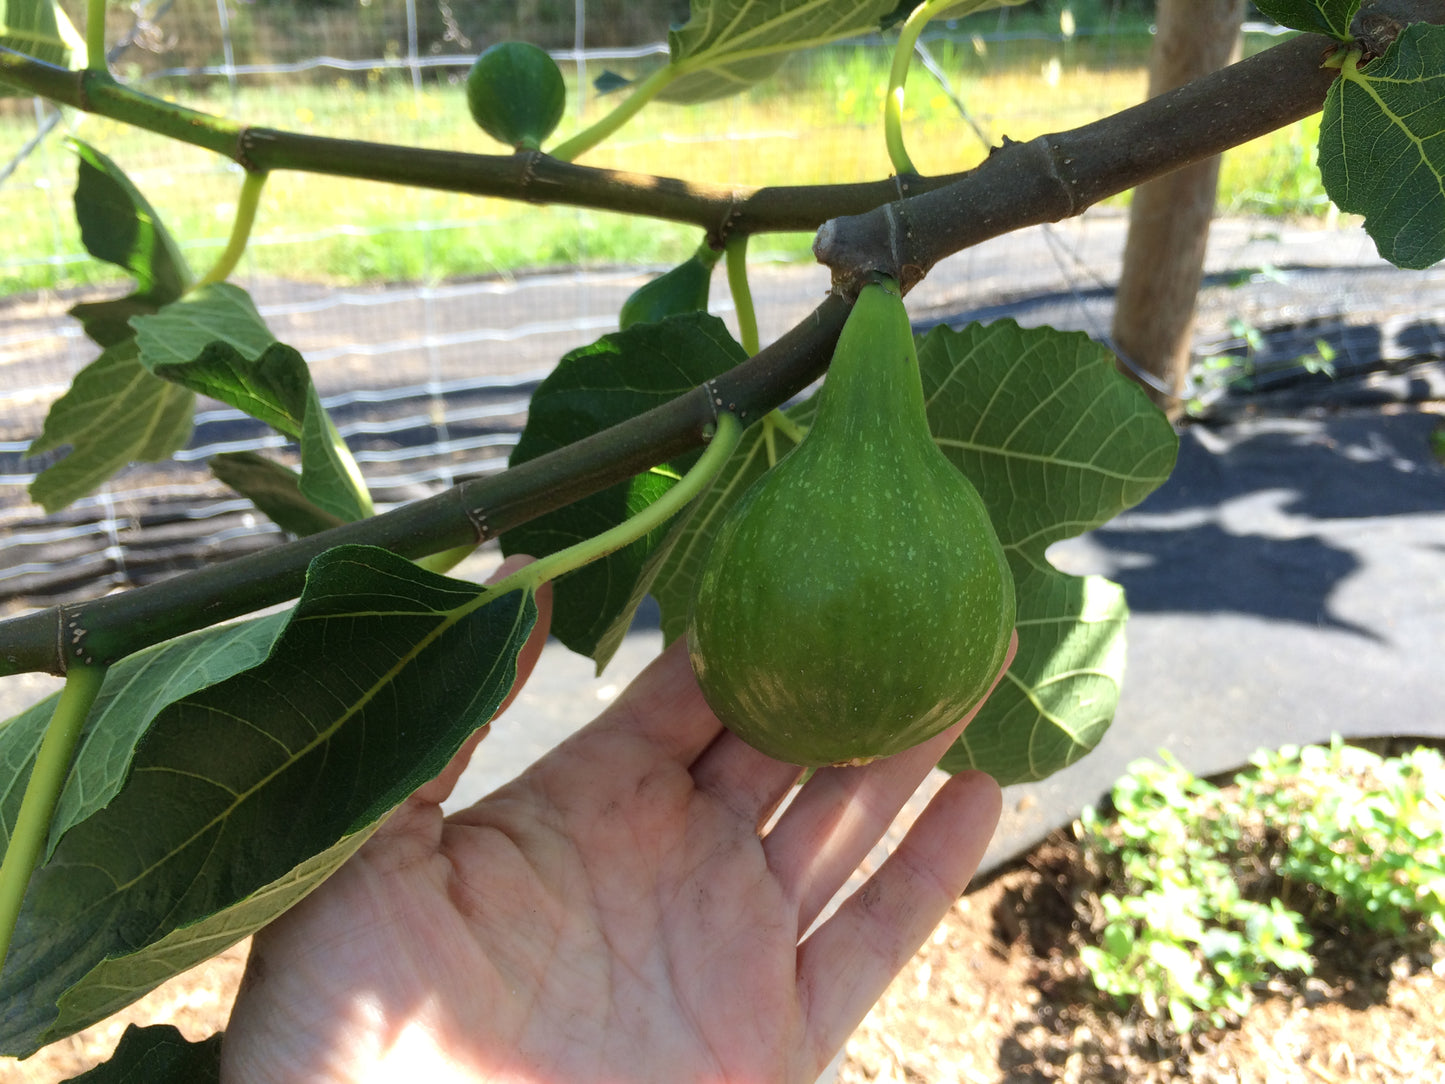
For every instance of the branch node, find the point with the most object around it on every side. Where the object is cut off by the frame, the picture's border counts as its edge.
(528, 160)
(718, 236)
(477, 517)
(70, 636)
(245, 143)
(1057, 163)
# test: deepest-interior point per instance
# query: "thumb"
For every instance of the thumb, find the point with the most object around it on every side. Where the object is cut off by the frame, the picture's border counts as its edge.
(440, 788)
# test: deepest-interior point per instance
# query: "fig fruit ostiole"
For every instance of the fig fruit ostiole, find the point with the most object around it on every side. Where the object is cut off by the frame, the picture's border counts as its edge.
(856, 600)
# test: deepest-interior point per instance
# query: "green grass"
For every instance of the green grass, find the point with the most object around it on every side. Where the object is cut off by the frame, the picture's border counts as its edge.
(817, 122)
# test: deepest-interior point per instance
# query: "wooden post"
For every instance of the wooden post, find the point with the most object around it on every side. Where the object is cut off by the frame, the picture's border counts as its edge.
(1169, 218)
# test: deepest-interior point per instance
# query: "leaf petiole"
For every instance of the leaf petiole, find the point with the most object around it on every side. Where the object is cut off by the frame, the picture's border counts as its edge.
(246, 205)
(737, 257)
(95, 34)
(570, 148)
(897, 77)
(724, 440)
(903, 55)
(42, 792)
(737, 254)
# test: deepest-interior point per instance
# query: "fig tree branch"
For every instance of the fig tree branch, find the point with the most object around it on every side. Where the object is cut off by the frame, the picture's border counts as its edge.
(1020, 184)
(530, 176)
(99, 632)
(1058, 176)
(1045, 180)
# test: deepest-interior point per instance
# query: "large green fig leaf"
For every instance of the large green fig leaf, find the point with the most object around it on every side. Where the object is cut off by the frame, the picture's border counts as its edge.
(1330, 17)
(726, 46)
(114, 413)
(213, 341)
(1057, 442)
(118, 225)
(158, 1055)
(241, 796)
(39, 28)
(135, 691)
(597, 386)
(1382, 146)
(274, 489)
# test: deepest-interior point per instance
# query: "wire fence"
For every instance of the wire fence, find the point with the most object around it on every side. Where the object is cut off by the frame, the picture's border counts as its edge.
(425, 326)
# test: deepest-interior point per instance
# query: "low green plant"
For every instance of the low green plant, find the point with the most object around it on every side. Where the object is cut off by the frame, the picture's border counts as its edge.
(1363, 835)
(1213, 891)
(1179, 935)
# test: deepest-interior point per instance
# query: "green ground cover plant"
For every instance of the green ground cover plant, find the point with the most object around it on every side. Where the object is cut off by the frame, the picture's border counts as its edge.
(1214, 890)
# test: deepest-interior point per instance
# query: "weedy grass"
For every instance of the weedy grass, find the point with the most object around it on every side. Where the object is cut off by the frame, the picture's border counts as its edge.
(816, 122)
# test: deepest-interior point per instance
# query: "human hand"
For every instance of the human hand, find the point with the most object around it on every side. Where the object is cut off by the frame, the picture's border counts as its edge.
(613, 915)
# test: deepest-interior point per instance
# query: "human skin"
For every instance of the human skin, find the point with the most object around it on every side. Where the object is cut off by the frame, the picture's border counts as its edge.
(627, 910)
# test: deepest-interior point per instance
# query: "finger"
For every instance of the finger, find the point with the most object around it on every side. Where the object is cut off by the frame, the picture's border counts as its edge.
(750, 783)
(841, 814)
(664, 707)
(439, 789)
(844, 967)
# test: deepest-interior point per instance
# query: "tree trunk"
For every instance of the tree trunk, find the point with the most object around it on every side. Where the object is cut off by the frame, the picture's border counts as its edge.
(1169, 218)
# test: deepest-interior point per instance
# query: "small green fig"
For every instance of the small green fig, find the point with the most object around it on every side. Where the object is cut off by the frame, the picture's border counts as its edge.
(683, 289)
(516, 94)
(855, 600)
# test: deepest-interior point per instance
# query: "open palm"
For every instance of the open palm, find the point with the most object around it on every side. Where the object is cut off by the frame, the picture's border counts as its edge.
(617, 913)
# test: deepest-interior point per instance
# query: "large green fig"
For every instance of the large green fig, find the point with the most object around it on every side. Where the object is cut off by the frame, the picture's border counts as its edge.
(516, 94)
(855, 600)
(683, 289)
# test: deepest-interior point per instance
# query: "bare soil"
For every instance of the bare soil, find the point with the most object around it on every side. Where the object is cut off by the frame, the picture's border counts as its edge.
(998, 995)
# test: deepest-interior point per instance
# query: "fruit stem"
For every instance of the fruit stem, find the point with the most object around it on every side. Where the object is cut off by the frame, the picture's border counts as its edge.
(724, 440)
(642, 93)
(42, 792)
(246, 205)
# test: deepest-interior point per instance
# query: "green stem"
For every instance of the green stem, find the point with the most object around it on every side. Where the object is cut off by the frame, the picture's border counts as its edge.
(341, 454)
(445, 561)
(246, 206)
(785, 425)
(588, 138)
(742, 291)
(737, 253)
(52, 765)
(95, 34)
(898, 75)
(724, 441)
